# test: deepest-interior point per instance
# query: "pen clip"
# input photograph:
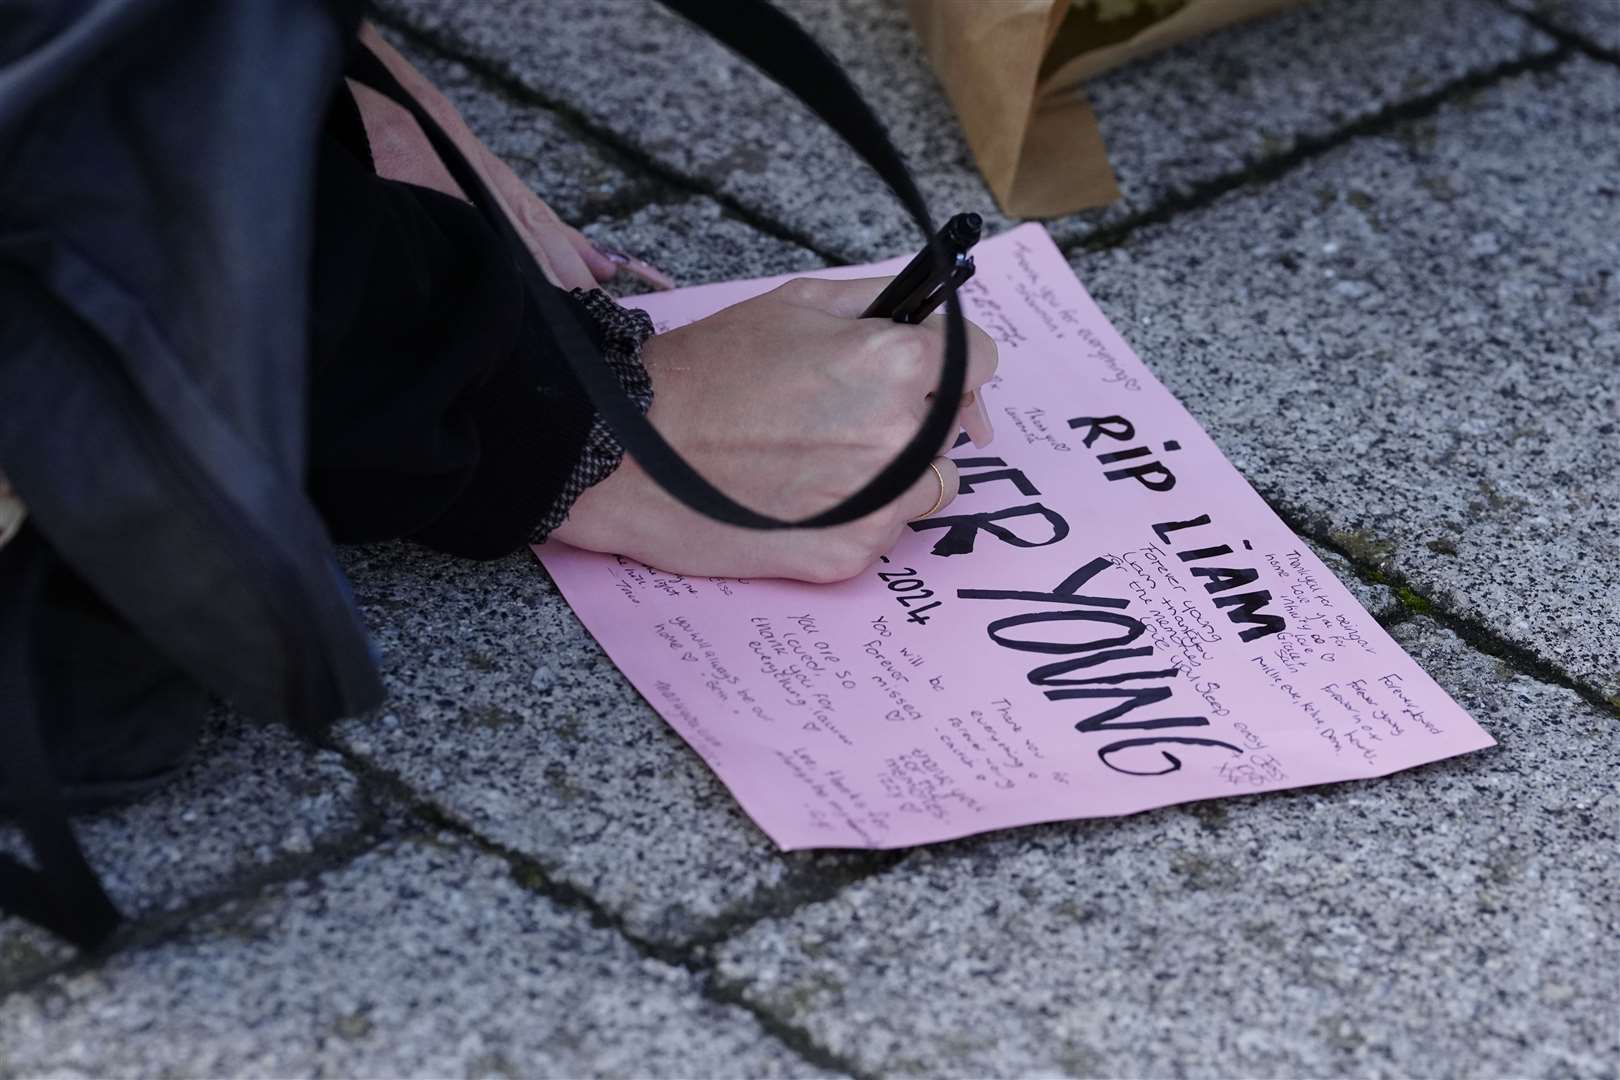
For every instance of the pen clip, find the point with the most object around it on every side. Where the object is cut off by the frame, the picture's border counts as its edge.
(958, 276)
(915, 284)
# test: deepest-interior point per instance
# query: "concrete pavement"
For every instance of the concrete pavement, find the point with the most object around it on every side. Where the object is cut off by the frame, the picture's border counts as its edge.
(1374, 246)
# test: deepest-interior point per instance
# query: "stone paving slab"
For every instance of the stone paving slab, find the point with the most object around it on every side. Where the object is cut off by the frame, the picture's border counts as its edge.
(576, 177)
(1379, 600)
(1597, 21)
(251, 797)
(1220, 105)
(1453, 920)
(667, 90)
(424, 958)
(613, 202)
(1410, 344)
(1417, 297)
(504, 713)
(1174, 121)
(696, 242)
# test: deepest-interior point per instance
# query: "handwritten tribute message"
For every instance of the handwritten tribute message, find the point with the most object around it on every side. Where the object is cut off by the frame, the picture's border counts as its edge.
(1108, 619)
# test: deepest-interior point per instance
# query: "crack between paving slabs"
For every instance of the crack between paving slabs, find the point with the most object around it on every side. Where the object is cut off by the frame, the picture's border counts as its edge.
(1375, 570)
(158, 928)
(371, 833)
(528, 873)
(1199, 196)
(1385, 120)
(587, 130)
(379, 789)
(814, 888)
(791, 1035)
(641, 191)
(1575, 40)
(1413, 602)
(639, 194)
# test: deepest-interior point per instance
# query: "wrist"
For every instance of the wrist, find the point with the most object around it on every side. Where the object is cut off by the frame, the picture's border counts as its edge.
(612, 515)
(620, 333)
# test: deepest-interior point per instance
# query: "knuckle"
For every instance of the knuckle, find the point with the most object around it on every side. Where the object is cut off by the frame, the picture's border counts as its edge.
(903, 349)
(806, 291)
(881, 530)
(838, 562)
(890, 439)
(793, 290)
(896, 435)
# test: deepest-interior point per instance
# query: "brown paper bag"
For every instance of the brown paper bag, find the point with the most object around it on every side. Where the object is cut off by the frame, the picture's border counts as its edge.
(1013, 70)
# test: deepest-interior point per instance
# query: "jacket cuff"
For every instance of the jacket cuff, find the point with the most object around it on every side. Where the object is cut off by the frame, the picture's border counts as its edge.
(622, 332)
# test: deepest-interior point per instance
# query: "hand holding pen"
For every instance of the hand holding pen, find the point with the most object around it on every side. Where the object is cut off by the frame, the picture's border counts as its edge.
(788, 401)
(920, 288)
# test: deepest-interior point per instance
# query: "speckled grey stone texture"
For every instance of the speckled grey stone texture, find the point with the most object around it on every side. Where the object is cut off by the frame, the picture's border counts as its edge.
(1173, 121)
(424, 958)
(695, 242)
(1221, 104)
(1446, 921)
(1595, 21)
(251, 797)
(1379, 600)
(675, 96)
(612, 201)
(504, 713)
(574, 175)
(26, 953)
(1411, 345)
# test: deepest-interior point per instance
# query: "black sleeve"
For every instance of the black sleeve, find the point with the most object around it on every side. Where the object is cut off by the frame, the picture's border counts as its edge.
(434, 414)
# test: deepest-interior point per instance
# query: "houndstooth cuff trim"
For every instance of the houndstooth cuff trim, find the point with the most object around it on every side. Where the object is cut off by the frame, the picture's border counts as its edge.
(623, 331)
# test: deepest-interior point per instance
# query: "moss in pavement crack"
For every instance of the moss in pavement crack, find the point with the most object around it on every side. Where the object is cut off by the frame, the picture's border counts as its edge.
(1413, 601)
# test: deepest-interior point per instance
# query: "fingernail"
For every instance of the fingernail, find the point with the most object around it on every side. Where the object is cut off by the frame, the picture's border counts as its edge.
(983, 414)
(642, 269)
(973, 420)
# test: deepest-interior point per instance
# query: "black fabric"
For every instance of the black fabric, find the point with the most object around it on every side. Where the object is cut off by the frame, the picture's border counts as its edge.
(122, 716)
(156, 221)
(156, 211)
(119, 716)
(156, 208)
(62, 894)
(775, 44)
(435, 411)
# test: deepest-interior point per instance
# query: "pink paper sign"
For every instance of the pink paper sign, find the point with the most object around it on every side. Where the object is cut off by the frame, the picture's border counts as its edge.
(1108, 619)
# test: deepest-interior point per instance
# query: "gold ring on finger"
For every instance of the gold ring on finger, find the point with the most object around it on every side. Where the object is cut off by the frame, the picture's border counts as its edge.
(940, 501)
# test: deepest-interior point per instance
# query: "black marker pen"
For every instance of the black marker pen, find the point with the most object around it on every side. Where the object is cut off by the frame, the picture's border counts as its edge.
(918, 289)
